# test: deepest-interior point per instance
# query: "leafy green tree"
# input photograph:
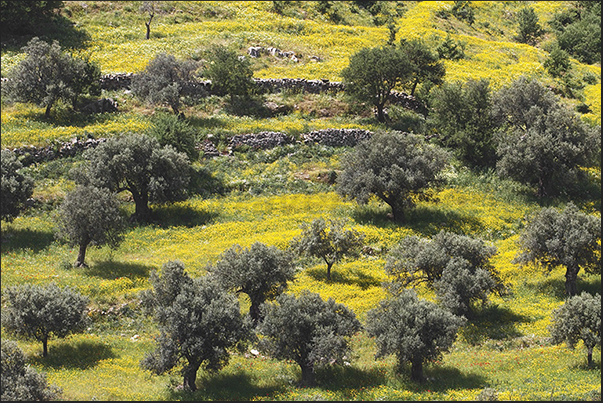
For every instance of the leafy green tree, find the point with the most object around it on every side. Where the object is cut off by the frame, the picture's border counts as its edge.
(22, 17)
(426, 64)
(456, 266)
(90, 216)
(138, 164)
(47, 74)
(37, 312)
(171, 130)
(569, 238)
(229, 74)
(461, 116)
(529, 26)
(398, 168)
(463, 11)
(198, 321)
(161, 82)
(578, 30)
(330, 244)
(558, 63)
(260, 271)
(579, 318)
(414, 330)
(517, 105)
(451, 49)
(19, 381)
(16, 186)
(308, 330)
(373, 73)
(550, 153)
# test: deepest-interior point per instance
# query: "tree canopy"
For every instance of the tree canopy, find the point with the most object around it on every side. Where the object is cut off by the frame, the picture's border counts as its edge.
(198, 322)
(569, 238)
(412, 329)
(90, 216)
(16, 186)
(398, 168)
(138, 164)
(38, 312)
(260, 271)
(307, 330)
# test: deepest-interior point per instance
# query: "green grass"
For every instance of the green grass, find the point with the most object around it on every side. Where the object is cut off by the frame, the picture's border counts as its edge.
(267, 195)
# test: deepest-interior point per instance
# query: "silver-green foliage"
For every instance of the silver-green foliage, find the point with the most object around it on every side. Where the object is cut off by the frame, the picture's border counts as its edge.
(90, 216)
(412, 329)
(48, 74)
(307, 330)
(456, 266)
(260, 271)
(16, 186)
(138, 164)
(398, 168)
(38, 312)
(330, 243)
(568, 238)
(198, 321)
(19, 381)
(579, 319)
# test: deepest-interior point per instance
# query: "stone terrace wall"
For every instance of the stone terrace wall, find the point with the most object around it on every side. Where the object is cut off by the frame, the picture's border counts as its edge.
(257, 141)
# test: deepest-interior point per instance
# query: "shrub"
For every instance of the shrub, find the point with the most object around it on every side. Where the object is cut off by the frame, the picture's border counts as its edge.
(16, 186)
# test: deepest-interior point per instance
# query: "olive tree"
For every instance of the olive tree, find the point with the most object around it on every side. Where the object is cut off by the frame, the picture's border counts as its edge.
(330, 243)
(138, 164)
(19, 381)
(579, 318)
(308, 330)
(47, 74)
(426, 64)
(90, 216)
(260, 271)
(456, 267)
(568, 238)
(161, 82)
(198, 322)
(541, 142)
(16, 186)
(373, 73)
(397, 168)
(414, 330)
(38, 312)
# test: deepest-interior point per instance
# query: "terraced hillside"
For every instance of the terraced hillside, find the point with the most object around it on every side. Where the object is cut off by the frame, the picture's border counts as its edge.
(243, 193)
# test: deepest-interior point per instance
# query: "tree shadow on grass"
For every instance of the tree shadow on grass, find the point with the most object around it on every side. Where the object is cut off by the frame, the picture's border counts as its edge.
(20, 239)
(349, 277)
(425, 220)
(493, 322)
(555, 287)
(176, 215)
(225, 387)
(440, 379)
(111, 270)
(81, 355)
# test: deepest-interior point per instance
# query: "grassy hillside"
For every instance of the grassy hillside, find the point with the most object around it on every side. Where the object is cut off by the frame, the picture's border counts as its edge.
(269, 194)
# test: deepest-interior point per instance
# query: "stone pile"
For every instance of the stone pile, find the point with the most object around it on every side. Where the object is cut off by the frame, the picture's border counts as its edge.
(116, 81)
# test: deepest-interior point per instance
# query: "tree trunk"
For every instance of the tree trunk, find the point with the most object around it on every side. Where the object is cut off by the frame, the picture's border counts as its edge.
(329, 265)
(571, 276)
(142, 211)
(148, 25)
(416, 370)
(380, 115)
(47, 111)
(81, 256)
(190, 377)
(308, 375)
(590, 356)
(398, 214)
(45, 345)
(254, 312)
